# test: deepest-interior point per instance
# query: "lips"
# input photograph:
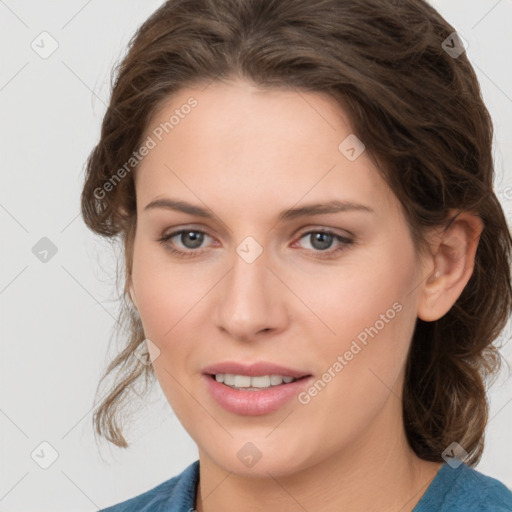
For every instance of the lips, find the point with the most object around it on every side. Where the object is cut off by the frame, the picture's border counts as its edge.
(257, 402)
(254, 370)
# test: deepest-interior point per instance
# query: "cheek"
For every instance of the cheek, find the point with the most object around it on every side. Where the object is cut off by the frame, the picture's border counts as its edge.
(351, 297)
(360, 369)
(370, 314)
(167, 291)
(169, 298)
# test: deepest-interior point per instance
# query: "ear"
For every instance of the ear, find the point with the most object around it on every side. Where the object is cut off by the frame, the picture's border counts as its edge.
(451, 265)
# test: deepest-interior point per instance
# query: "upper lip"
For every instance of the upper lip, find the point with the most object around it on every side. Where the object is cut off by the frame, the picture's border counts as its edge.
(253, 370)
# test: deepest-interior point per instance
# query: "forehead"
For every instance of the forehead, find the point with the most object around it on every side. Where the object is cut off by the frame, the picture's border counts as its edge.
(237, 111)
(241, 139)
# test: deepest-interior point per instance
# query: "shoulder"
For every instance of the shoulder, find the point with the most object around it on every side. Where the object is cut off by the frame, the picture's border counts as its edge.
(177, 493)
(463, 488)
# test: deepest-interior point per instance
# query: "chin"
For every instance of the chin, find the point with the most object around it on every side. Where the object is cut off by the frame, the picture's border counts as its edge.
(258, 459)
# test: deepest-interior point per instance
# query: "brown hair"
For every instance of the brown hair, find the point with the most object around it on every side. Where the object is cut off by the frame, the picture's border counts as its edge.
(418, 110)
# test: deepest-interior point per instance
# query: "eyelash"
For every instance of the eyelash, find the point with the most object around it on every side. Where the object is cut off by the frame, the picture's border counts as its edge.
(328, 253)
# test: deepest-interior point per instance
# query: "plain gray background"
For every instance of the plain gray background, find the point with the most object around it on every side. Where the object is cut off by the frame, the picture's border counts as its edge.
(58, 315)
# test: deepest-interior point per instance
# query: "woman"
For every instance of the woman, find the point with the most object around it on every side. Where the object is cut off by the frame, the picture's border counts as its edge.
(316, 262)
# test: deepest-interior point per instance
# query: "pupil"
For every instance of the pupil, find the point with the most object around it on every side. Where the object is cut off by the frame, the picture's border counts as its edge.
(196, 238)
(324, 240)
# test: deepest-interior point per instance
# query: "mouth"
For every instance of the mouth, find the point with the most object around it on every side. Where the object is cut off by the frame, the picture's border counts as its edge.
(253, 376)
(242, 382)
(260, 393)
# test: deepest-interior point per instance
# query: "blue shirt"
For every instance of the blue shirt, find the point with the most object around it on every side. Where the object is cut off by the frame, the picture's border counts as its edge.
(461, 489)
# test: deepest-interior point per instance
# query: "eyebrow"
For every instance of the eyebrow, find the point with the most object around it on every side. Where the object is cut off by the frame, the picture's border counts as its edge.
(334, 206)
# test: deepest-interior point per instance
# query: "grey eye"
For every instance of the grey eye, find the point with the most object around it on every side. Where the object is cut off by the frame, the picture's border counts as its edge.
(191, 239)
(319, 240)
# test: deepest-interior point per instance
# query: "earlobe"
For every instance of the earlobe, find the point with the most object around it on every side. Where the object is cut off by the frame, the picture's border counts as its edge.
(453, 258)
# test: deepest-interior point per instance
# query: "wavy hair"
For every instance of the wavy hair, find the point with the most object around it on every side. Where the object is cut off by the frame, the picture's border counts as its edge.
(419, 111)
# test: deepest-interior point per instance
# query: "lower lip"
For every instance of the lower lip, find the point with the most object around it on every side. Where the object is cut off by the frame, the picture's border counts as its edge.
(254, 403)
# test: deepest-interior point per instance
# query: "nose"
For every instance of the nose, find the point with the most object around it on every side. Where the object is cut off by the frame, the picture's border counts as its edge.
(250, 300)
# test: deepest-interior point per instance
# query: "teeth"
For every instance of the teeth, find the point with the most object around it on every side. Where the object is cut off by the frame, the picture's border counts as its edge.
(245, 381)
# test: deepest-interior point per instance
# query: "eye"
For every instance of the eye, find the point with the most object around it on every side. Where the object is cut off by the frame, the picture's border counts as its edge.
(190, 239)
(188, 242)
(321, 240)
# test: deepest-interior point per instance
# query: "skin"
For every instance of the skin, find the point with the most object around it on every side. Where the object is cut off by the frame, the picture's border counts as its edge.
(247, 154)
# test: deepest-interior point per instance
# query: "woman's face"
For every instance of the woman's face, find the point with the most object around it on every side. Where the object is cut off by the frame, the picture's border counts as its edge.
(262, 276)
